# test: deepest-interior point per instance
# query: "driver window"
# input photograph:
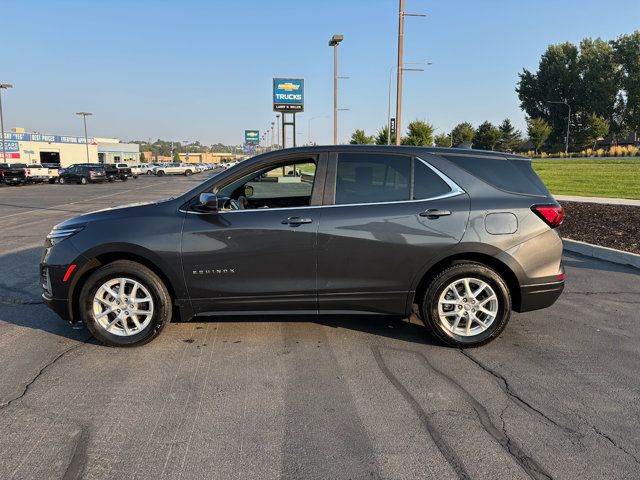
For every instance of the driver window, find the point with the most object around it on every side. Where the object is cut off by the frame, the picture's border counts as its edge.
(285, 186)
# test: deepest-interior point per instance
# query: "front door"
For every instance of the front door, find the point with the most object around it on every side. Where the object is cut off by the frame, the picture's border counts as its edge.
(376, 236)
(258, 252)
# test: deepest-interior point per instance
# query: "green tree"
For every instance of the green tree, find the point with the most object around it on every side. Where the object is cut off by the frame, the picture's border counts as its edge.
(539, 130)
(627, 54)
(141, 157)
(597, 128)
(176, 156)
(510, 138)
(442, 140)
(419, 133)
(381, 136)
(556, 79)
(462, 133)
(360, 138)
(486, 137)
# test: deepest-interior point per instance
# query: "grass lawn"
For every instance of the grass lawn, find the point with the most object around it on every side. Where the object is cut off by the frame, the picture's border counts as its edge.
(591, 178)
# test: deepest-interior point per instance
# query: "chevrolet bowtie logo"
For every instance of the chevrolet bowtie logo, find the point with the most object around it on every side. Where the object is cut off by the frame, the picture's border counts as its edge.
(288, 87)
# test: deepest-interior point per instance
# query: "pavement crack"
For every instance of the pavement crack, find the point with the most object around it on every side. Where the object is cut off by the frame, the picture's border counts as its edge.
(42, 371)
(615, 444)
(78, 461)
(508, 390)
(445, 449)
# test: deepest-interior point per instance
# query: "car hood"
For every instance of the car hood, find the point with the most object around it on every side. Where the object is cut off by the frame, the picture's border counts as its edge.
(112, 212)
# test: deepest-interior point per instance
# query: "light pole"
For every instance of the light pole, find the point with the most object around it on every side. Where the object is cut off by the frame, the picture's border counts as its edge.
(4, 86)
(334, 42)
(566, 140)
(278, 129)
(186, 151)
(86, 138)
(389, 105)
(271, 147)
(401, 16)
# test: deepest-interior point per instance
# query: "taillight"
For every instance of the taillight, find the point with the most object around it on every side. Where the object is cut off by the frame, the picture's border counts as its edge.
(552, 215)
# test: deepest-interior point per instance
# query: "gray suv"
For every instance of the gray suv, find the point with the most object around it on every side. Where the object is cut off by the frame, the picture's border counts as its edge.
(462, 237)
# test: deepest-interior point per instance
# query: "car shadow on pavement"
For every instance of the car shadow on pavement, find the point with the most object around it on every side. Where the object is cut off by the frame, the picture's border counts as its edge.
(377, 325)
(576, 260)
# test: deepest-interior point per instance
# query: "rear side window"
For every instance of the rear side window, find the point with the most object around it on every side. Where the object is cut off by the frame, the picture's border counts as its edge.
(511, 175)
(426, 182)
(371, 178)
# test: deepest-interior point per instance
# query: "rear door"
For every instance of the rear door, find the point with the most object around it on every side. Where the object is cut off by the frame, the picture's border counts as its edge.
(385, 217)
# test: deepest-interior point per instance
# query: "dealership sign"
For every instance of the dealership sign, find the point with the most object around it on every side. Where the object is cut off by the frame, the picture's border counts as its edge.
(288, 94)
(11, 149)
(43, 137)
(251, 136)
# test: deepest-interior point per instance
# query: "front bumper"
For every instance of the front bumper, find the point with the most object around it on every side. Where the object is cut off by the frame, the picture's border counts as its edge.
(61, 307)
(542, 295)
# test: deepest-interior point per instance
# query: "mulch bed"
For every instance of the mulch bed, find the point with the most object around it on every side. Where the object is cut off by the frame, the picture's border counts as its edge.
(613, 226)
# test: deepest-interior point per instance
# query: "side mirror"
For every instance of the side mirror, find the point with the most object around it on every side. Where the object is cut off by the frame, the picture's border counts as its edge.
(209, 201)
(248, 191)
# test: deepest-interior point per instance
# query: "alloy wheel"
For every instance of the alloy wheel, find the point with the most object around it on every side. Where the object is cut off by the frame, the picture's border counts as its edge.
(123, 307)
(467, 307)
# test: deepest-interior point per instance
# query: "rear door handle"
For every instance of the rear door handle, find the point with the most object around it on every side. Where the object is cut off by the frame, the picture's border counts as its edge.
(434, 213)
(295, 221)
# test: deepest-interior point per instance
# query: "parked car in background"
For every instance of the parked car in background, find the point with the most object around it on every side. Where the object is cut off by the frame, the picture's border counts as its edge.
(13, 173)
(461, 237)
(82, 173)
(54, 170)
(148, 168)
(136, 169)
(37, 173)
(124, 171)
(185, 169)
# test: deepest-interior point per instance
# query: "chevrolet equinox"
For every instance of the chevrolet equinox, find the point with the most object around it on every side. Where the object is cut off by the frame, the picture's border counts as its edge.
(462, 237)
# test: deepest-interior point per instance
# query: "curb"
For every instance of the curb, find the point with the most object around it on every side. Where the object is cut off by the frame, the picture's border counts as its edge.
(602, 253)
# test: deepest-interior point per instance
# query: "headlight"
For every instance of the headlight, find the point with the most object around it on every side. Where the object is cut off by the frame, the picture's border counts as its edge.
(57, 235)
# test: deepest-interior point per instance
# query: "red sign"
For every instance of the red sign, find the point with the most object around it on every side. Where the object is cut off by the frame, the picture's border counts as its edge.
(10, 155)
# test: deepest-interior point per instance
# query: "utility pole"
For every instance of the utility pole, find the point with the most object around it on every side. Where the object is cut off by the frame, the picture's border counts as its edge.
(86, 138)
(401, 16)
(334, 42)
(271, 148)
(278, 129)
(3, 86)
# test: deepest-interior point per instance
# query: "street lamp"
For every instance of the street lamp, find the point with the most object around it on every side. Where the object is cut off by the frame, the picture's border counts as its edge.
(389, 105)
(334, 42)
(278, 129)
(566, 140)
(5, 86)
(401, 15)
(86, 138)
(186, 150)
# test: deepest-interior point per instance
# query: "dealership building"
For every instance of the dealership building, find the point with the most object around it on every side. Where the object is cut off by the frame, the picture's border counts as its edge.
(65, 150)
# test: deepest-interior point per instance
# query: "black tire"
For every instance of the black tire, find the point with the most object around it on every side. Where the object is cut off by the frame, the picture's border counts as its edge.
(61, 180)
(160, 173)
(149, 172)
(83, 180)
(187, 173)
(140, 273)
(429, 310)
(124, 178)
(110, 180)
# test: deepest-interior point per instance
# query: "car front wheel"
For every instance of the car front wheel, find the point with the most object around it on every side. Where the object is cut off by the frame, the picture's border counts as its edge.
(125, 304)
(61, 180)
(467, 305)
(83, 180)
(187, 173)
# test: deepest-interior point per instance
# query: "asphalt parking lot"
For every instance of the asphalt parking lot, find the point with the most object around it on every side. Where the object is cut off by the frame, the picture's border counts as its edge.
(556, 396)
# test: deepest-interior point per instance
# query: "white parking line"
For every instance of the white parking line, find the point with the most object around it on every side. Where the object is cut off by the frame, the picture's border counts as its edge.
(80, 201)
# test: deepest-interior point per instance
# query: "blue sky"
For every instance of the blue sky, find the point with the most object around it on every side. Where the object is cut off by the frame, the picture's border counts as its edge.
(202, 70)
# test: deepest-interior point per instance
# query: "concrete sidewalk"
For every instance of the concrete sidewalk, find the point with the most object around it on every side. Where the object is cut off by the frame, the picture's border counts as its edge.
(601, 200)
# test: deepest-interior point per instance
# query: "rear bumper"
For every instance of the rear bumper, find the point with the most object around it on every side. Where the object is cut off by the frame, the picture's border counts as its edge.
(543, 295)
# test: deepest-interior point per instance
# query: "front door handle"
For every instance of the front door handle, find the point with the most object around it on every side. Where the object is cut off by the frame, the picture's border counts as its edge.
(295, 221)
(434, 213)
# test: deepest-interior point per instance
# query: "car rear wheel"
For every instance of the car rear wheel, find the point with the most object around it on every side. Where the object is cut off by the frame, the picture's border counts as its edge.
(83, 180)
(467, 305)
(124, 178)
(160, 173)
(149, 172)
(187, 173)
(61, 180)
(125, 304)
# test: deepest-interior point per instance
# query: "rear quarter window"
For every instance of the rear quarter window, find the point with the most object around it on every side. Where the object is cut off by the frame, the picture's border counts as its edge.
(511, 175)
